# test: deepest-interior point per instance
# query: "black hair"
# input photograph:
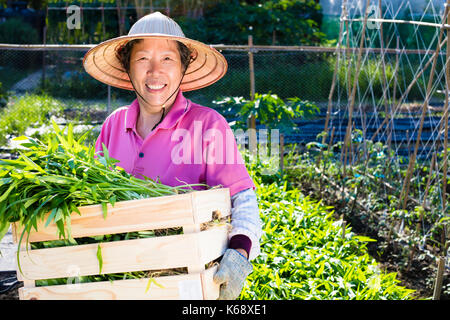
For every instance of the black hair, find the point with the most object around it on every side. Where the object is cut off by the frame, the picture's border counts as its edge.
(124, 54)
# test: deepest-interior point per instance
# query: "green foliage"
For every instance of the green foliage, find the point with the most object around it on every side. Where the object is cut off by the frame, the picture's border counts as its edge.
(270, 110)
(294, 22)
(18, 31)
(412, 236)
(61, 175)
(75, 84)
(371, 75)
(304, 255)
(92, 26)
(3, 96)
(26, 111)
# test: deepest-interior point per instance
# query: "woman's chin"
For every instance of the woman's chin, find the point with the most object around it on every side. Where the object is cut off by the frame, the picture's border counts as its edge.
(153, 104)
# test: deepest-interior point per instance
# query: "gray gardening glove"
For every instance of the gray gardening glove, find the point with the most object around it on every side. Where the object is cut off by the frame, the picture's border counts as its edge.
(231, 274)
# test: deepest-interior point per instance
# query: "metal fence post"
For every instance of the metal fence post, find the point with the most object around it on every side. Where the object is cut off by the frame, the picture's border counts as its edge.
(252, 77)
(108, 107)
(44, 38)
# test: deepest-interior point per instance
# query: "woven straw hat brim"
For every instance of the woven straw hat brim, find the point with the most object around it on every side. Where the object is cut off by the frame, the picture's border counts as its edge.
(208, 66)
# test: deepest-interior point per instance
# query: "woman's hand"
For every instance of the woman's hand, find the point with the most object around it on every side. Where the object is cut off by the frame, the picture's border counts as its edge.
(243, 252)
(231, 274)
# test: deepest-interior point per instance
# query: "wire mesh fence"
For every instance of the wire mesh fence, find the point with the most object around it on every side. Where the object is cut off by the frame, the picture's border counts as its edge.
(304, 72)
(60, 72)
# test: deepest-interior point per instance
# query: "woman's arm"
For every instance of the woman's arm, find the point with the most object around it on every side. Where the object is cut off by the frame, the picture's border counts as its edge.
(246, 223)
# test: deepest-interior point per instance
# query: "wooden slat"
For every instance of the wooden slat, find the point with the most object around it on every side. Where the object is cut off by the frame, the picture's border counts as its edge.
(197, 266)
(132, 289)
(205, 202)
(211, 290)
(124, 256)
(213, 243)
(138, 215)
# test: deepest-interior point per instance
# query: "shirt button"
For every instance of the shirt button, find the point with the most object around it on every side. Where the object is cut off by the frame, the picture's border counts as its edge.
(141, 154)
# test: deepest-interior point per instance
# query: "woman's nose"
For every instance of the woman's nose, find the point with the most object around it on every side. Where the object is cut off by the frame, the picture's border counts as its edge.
(153, 67)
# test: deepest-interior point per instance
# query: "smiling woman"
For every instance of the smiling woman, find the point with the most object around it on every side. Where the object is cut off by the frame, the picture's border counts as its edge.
(156, 88)
(169, 61)
(158, 63)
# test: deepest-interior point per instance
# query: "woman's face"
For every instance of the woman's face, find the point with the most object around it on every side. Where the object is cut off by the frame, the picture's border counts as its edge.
(155, 68)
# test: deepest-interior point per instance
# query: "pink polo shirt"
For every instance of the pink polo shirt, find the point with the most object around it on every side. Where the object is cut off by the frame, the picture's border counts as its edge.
(193, 144)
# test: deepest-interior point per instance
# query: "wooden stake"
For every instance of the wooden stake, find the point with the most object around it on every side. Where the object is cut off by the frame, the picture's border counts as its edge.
(390, 123)
(439, 278)
(412, 161)
(336, 67)
(383, 69)
(330, 143)
(103, 23)
(321, 177)
(347, 138)
(447, 88)
(424, 201)
(344, 223)
(344, 9)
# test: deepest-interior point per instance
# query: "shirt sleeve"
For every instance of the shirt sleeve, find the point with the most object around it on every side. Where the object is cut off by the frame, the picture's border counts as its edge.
(224, 163)
(245, 222)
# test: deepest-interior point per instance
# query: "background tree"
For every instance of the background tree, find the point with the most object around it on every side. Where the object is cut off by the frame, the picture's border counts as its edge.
(282, 22)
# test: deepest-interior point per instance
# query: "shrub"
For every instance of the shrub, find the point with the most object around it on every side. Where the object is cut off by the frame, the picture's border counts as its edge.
(270, 110)
(29, 110)
(3, 96)
(18, 31)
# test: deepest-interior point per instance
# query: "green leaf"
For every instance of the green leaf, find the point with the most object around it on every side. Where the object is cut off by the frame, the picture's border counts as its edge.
(70, 134)
(60, 225)
(104, 209)
(6, 194)
(99, 258)
(150, 281)
(3, 230)
(320, 270)
(364, 239)
(21, 138)
(51, 216)
(113, 200)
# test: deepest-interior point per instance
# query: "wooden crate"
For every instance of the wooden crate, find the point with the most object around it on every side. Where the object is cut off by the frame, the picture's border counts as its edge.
(192, 249)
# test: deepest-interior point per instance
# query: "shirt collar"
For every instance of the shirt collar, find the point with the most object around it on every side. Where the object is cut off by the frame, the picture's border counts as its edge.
(180, 106)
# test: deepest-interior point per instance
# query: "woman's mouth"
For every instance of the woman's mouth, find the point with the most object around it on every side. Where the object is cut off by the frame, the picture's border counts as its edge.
(155, 87)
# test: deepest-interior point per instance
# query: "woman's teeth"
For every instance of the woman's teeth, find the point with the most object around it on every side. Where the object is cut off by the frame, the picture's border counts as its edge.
(155, 87)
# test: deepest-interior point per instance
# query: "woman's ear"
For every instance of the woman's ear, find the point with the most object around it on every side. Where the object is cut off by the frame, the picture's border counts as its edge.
(193, 55)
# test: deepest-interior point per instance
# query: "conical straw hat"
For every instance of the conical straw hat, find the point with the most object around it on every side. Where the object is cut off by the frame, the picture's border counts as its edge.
(207, 67)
